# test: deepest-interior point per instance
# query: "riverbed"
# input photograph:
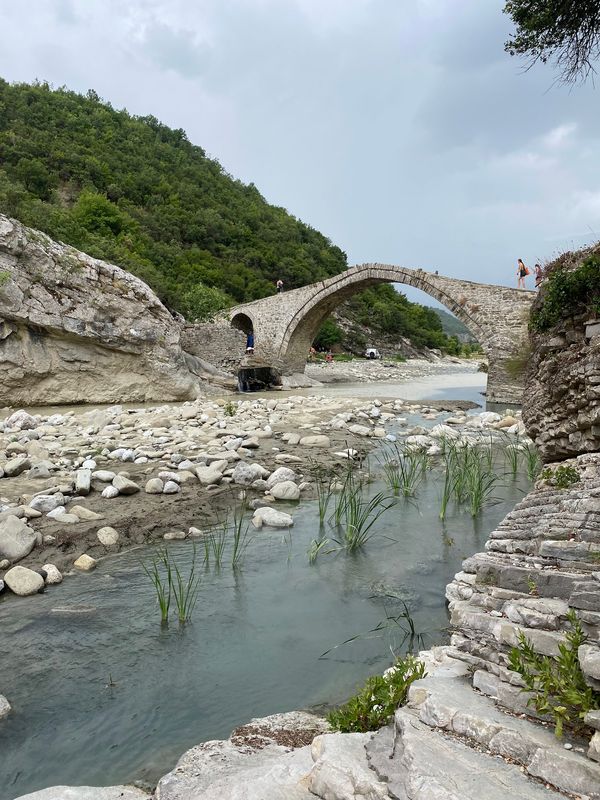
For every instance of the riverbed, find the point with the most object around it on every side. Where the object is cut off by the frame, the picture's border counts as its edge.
(103, 694)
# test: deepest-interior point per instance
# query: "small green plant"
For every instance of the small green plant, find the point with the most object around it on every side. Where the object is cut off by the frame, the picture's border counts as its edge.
(562, 477)
(376, 702)
(230, 409)
(557, 683)
(4, 278)
(532, 586)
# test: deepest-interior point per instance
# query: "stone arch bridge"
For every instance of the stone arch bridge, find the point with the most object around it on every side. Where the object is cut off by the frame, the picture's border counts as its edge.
(284, 325)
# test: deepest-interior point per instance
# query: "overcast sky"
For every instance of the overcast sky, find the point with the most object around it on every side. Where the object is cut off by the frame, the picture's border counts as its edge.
(399, 128)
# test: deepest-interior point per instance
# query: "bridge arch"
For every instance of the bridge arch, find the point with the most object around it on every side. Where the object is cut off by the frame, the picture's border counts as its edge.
(285, 324)
(243, 323)
(310, 315)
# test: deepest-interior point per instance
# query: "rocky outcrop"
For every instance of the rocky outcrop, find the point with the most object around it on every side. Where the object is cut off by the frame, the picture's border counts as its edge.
(75, 329)
(540, 564)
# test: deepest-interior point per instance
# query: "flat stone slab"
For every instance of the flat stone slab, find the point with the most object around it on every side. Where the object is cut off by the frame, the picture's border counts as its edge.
(430, 765)
(251, 765)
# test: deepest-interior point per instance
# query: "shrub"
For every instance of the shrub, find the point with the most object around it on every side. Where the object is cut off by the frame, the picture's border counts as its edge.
(377, 701)
(558, 684)
(568, 292)
(561, 477)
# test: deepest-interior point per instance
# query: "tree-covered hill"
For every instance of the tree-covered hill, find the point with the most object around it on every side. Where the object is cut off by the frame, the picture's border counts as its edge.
(136, 193)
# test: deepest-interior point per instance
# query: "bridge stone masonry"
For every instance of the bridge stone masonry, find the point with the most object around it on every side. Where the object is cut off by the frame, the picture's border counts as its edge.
(284, 325)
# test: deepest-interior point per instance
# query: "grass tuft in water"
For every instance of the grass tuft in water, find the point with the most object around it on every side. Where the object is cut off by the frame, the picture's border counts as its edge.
(160, 573)
(533, 462)
(185, 590)
(360, 515)
(315, 548)
(241, 538)
(404, 469)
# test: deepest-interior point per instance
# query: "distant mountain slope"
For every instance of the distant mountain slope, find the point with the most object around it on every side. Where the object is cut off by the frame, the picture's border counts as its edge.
(136, 193)
(453, 326)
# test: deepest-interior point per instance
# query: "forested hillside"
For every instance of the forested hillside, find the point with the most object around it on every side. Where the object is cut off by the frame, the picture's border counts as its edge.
(136, 193)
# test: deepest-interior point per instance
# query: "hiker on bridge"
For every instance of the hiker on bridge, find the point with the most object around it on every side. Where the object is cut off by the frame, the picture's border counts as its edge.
(279, 285)
(539, 274)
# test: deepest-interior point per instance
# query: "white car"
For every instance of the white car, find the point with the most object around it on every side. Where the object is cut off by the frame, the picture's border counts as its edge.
(372, 352)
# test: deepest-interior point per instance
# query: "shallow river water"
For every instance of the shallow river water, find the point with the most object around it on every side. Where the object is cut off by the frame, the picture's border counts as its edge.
(103, 694)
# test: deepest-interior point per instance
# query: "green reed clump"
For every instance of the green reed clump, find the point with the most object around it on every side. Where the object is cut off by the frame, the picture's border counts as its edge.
(324, 484)
(215, 543)
(469, 477)
(533, 462)
(404, 469)
(241, 538)
(360, 515)
(185, 589)
(160, 573)
(349, 485)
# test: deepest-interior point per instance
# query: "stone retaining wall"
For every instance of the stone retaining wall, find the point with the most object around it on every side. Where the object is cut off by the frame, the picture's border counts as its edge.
(562, 401)
(216, 342)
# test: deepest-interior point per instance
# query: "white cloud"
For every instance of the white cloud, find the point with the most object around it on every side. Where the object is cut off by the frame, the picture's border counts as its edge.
(559, 135)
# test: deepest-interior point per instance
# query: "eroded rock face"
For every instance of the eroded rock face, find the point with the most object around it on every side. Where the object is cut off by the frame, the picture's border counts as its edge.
(76, 329)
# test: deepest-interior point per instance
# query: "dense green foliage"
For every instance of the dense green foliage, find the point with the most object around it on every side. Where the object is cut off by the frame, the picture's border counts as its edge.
(329, 335)
(136, 193)
(567, 292)
(375, 703)
(566, 33)
(558, 684)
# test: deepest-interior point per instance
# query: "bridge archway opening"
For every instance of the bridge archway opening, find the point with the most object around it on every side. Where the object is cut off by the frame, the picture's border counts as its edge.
(243, 323)
(302, 330)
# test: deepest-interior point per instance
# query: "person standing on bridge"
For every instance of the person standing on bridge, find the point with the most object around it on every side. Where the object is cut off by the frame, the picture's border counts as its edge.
(279, 285)
(539, 274)
(522, 273)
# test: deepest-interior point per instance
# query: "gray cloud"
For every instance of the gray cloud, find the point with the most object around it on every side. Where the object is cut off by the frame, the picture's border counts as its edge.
(401, 130)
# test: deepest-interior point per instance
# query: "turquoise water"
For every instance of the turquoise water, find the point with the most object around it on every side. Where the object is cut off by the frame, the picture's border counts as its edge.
(103, 694)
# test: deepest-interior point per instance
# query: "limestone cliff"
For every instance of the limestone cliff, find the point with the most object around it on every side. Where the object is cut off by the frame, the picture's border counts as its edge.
(75, 329)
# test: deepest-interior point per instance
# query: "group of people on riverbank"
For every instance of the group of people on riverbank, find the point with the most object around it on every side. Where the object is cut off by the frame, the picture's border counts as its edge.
(523, 272)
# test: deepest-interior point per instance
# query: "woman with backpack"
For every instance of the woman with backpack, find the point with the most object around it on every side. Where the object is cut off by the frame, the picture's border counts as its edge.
(522, 272)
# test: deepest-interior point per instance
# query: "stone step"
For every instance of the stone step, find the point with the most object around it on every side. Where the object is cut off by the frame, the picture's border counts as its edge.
(449, 704)
(428, 765)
